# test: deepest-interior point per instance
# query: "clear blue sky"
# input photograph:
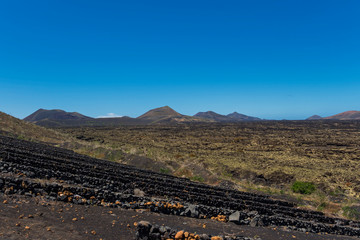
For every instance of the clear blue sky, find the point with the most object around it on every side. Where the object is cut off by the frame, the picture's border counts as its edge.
(270, 59)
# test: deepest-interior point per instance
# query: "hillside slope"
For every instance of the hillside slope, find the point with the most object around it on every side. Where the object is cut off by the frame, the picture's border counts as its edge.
(15, 127)
(80, 180)
(348, 115)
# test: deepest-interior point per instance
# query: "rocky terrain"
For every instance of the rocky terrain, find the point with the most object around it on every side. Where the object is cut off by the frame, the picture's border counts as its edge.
(45, 174)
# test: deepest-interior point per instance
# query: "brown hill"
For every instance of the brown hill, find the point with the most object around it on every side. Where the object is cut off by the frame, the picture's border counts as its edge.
(167, 115)
(314, 117)
(242, 117)
(349, 115)
(210, 115)
(232, 117)
(55, 114)
(159, 113)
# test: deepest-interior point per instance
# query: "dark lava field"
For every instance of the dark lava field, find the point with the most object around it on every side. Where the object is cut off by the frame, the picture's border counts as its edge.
(53, 193)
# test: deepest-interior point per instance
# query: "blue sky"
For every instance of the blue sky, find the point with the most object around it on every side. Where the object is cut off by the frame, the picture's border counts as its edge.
(271, 59)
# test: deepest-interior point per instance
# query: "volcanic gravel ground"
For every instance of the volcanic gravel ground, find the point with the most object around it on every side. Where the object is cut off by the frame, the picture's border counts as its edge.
(54, 220)
(33, 169)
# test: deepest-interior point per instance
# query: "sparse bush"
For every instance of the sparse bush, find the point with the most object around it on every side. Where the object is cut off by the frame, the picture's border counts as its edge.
(351, 212)
(303, 187)
(322, 206)
(197, 179)
(165, 170)
(21, 137)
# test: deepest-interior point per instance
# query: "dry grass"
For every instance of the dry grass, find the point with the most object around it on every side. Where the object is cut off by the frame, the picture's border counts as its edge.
(326, 153)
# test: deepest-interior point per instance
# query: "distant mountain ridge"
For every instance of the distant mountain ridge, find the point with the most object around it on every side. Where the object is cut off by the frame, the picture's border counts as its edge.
(232, 117)
(242, 117)
(348, 115)
(55, 114)
(210, 115)
(161, 115)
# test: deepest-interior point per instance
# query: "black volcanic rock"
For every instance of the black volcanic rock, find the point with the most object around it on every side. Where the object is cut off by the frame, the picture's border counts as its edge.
(314, 117)
(242, 117)
(55, 114)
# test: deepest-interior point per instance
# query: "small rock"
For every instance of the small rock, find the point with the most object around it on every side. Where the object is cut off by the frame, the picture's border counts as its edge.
(162, 230)
(139, 193)
(235, 217)
(204, 237)
(192, 211)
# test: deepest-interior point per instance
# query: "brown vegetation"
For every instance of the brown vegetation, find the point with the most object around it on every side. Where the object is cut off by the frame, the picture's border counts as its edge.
(267, 153)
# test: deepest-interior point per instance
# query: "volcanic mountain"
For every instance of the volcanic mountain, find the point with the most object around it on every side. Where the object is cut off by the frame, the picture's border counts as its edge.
(167, 115)
(55, 114)
(232, 117)
(159, 113)
(210, 115)
(349, 115)
(314, 117)
(242, 117)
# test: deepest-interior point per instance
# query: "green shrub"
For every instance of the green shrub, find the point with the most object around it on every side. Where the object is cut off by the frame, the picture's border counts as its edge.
(197, 179)
(351, 213)
(322, 206)
(165, 170)
(303, 187)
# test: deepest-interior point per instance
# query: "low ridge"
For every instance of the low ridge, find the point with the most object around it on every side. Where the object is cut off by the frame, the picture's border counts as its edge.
(232, 117)
(213, 116)
(242, 117)
(348, 115)
(54, 114)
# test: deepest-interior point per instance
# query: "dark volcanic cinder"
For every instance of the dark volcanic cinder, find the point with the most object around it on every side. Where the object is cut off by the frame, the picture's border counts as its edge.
(61, 175)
